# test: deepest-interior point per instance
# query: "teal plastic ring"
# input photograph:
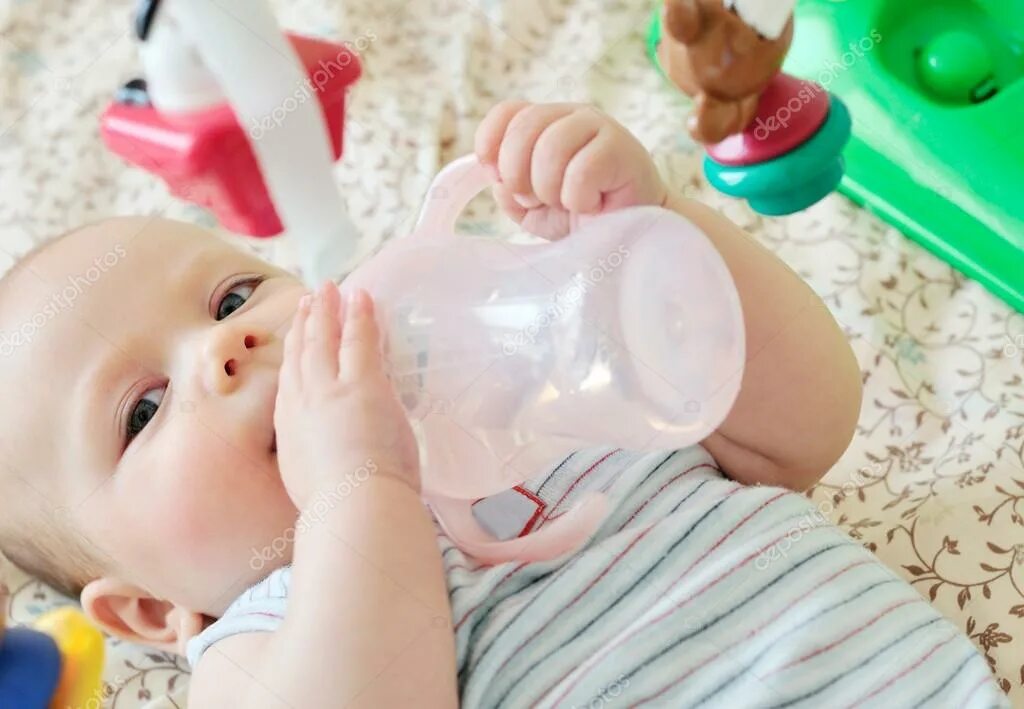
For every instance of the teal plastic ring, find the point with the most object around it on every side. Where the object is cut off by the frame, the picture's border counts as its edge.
(817, 155)
(800, 197)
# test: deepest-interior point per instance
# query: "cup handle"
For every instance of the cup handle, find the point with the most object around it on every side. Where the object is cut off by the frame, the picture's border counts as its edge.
(558, 537)
(453, 188)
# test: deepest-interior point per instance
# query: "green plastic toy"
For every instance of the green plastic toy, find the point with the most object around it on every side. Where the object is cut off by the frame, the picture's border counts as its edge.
(936, 90)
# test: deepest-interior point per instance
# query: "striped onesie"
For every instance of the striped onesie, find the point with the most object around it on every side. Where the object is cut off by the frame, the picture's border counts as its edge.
(696, 591)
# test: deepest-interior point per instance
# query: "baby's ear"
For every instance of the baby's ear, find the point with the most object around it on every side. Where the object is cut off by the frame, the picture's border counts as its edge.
(683, 20)
(129, 612)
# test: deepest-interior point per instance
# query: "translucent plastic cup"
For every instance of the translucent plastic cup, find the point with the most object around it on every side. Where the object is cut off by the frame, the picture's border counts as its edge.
(508, 357)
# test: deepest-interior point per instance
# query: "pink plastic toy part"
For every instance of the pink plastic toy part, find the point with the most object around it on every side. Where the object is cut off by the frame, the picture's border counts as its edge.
(790, 111)
(205, 157)
(508, 357)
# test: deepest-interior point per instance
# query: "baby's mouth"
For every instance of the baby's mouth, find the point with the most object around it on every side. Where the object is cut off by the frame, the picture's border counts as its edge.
(273, 443)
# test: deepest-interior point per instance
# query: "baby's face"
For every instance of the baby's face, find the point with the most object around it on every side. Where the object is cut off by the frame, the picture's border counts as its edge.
(139, 373)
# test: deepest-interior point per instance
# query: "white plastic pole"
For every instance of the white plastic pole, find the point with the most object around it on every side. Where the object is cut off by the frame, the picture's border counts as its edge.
(201, 52)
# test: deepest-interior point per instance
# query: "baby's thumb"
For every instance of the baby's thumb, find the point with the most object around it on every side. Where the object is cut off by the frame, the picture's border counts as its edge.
(508, 203)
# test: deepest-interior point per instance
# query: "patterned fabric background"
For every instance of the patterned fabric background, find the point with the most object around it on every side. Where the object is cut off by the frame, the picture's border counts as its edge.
(934, 482)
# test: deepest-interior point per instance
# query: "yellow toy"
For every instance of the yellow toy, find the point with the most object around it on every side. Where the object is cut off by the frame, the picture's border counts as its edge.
(56, 665)
(81, 647)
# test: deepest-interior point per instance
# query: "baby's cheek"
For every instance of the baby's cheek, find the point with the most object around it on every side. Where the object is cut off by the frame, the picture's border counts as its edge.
(201, 505)
(220, 505)
(188, 514)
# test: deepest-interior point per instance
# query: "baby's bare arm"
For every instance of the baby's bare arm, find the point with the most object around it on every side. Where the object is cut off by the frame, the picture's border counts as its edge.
(368, 622)
(801, 391)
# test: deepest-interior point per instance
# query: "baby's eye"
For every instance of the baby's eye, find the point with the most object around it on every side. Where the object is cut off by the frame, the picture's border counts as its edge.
(144, 411)
(237, 297)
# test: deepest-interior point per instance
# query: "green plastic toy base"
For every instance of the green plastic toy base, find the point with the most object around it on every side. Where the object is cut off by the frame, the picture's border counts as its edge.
(936, 90)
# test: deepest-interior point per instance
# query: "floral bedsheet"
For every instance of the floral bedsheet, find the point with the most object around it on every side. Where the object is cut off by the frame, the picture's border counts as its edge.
(933, 483)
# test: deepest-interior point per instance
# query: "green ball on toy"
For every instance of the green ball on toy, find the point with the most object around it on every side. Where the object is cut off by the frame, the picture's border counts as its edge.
(954, 64)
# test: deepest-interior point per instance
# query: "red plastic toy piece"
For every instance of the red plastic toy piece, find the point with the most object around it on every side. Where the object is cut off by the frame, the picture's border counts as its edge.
(790, 111)
(205, 157)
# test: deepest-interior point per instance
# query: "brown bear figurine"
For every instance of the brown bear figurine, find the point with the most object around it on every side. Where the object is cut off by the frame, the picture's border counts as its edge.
(714, 55)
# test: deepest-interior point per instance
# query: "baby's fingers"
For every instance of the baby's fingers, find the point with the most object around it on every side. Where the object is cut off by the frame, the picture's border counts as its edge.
(291, 365)
(591, 173)
(360, 340)
(322, 337)
(492, 129)
(557, 146)
(515, 155)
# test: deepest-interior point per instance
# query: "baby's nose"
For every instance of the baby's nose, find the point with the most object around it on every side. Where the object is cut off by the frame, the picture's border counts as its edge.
(227, 353)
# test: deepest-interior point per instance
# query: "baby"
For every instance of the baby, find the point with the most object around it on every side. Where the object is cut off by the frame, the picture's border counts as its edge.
(192, 401)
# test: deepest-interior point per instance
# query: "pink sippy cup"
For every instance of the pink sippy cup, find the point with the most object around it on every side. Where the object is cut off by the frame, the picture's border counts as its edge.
(508, 357)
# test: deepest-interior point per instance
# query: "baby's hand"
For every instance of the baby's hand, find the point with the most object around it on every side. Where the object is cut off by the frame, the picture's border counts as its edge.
(559, 161)
(337, 417)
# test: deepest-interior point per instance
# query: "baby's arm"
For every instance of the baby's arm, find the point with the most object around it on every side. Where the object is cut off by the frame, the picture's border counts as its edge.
(368, 621)
(801, 390)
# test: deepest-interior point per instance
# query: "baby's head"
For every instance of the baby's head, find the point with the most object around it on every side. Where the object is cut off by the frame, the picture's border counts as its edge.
(138, 371)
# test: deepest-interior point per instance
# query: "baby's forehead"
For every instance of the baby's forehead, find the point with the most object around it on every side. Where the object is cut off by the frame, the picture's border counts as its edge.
(152, 243)
(123, 253)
